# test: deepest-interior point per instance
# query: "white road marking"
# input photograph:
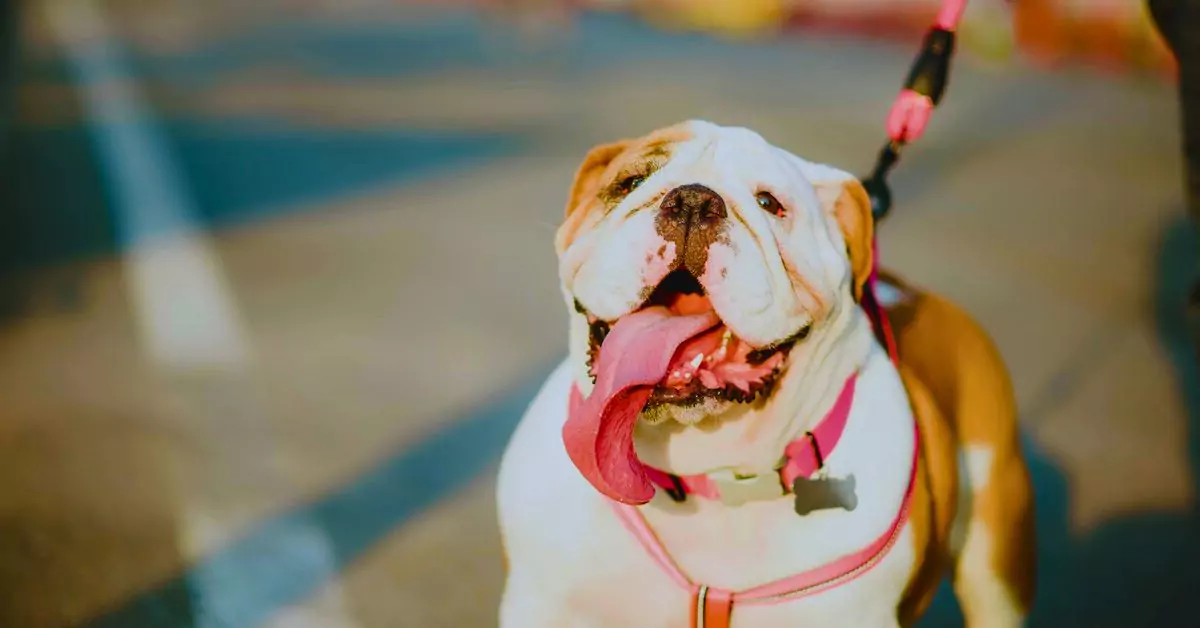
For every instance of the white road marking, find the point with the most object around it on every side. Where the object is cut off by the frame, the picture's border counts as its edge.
(185, 313)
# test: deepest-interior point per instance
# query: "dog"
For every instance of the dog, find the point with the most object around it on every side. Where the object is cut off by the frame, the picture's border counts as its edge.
(728, 441)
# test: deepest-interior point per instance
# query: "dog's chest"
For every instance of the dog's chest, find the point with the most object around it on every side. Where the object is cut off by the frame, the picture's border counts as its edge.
(625, 586)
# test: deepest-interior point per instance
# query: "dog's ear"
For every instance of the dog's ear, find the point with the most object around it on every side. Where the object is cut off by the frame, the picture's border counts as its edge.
(843, 197)
(585, 187)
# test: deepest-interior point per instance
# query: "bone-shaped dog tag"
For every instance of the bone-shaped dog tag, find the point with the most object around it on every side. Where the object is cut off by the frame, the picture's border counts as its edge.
(822, 493)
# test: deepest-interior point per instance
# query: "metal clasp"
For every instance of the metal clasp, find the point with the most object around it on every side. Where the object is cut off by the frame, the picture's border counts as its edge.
(735, 489)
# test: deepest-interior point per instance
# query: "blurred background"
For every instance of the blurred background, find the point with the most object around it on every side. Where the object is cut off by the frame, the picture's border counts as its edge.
(277, 279)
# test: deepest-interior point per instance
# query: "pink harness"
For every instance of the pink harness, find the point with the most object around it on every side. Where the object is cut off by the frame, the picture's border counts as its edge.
(712, 607)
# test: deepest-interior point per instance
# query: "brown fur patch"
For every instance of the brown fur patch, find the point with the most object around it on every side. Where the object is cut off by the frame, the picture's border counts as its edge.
(853, 212)
(934, 499)
(950, 356)
(606, 164)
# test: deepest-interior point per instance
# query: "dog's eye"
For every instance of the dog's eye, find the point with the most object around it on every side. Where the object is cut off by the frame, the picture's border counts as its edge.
(630, 183)
(769, 203)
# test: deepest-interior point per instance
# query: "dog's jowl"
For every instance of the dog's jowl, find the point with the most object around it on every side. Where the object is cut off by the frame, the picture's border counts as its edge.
(727, 442)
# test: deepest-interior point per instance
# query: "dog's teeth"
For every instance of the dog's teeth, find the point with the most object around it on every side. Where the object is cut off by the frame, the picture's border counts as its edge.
(723, 350)
(590, 366)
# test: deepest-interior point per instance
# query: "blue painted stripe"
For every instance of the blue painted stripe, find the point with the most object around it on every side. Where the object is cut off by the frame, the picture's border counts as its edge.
(232, 172)
(271, 567)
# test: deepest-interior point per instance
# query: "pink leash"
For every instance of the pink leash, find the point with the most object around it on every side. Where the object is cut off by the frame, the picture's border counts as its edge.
(922, 91)
(910, 112)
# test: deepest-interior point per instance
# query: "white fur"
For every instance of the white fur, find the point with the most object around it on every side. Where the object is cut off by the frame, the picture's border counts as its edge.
(889, 296)
(985, 599)
(974, 469)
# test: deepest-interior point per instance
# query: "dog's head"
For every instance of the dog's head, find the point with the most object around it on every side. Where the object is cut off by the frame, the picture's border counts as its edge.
(694, 260)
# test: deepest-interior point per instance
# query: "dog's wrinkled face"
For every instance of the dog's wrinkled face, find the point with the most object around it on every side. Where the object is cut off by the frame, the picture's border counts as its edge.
(712, 252)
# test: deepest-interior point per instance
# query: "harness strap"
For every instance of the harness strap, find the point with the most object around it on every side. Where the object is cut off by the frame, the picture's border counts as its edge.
(712, 607)
(878, 316)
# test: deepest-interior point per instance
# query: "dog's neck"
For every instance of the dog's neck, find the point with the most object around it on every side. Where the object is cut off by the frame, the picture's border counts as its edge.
(752, 438)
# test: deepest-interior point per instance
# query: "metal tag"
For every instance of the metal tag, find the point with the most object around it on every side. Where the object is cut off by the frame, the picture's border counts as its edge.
(823, 492)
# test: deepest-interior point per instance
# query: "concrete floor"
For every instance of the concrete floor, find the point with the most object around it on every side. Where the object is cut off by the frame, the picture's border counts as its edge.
(246, 385)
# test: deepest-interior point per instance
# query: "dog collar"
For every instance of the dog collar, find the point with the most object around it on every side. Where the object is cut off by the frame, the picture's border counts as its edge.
(802, 458)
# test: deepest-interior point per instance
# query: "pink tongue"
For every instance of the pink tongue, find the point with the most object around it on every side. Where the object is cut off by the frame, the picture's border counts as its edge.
(634, 357)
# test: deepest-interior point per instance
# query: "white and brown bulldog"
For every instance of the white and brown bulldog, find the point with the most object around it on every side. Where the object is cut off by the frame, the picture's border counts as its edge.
(728, 443)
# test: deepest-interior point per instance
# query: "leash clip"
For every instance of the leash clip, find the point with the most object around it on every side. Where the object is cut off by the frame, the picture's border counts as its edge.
(876, 184)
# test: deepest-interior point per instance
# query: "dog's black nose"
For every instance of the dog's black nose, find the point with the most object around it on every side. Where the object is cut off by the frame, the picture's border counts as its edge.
(693, 202)
(691, 216)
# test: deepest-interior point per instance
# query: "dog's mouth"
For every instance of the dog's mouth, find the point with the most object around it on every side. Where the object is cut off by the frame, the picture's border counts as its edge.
(674, 349)
(713, 364)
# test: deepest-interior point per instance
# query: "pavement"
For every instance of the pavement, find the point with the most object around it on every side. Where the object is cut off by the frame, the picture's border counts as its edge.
(277, 287)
